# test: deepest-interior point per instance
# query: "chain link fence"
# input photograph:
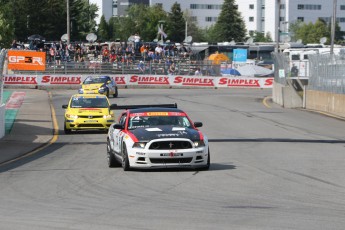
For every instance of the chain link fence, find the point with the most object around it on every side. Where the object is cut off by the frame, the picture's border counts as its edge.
(3, 54)
(327, 73)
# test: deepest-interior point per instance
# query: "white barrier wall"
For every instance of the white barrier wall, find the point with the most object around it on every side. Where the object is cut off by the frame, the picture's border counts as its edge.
(143, 80)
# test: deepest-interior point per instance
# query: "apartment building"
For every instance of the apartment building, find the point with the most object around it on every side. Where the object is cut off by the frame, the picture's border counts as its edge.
(258, 15)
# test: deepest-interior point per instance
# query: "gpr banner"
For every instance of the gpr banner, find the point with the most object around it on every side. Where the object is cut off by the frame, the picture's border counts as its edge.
(26, 60)
(144, 80)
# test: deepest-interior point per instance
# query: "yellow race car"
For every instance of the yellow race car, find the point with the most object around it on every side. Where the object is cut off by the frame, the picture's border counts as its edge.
(99, 85)
(88, 112)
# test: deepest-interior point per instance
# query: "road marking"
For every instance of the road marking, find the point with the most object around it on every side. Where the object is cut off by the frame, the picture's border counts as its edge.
(264, 101)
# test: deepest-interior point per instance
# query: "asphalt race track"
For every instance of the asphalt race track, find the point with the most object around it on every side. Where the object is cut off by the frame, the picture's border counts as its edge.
(271, 168)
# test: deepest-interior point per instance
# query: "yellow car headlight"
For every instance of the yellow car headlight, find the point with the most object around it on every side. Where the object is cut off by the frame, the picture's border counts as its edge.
(71, 116)
(107, 116)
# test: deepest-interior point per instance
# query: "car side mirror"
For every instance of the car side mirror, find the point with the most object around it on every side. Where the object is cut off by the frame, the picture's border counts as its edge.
(64, 106)
(197, 124)
(118, 126)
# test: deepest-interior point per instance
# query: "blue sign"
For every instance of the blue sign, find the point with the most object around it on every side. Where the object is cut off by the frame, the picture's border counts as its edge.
(240, 55)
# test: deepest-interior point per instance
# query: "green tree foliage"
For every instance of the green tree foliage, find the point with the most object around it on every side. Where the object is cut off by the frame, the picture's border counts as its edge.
(261, 37)
(176, 24)
(230, 25)
(103, 29)
(311, 33)
(49, 18)
(6, 25)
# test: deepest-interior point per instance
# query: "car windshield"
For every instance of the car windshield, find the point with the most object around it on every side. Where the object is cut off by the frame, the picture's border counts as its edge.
(95, 80)
(138, 121)
(85, 102)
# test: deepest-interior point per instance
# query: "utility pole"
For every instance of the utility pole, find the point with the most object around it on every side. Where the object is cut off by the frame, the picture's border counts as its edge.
(334, 19)
(68, 24)
(278, 26)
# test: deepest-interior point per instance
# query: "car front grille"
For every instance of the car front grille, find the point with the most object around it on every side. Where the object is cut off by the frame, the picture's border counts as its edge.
(90, 126)
(171, 160)
(168, 145)
(90, 117)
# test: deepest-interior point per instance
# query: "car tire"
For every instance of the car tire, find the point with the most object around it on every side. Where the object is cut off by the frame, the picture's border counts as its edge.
(207, 166)
(112, 162)
(67, 131)
(116, 92)
(125, 160)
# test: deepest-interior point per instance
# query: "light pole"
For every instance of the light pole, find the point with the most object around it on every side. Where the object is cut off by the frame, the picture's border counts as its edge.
(278, 26)
(68, 24)
(334, 19)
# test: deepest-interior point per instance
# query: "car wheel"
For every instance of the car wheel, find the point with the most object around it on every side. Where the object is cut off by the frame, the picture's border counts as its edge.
(116, 92)
(112, 162)
(207, 166)
(125, 160)
(67, 131)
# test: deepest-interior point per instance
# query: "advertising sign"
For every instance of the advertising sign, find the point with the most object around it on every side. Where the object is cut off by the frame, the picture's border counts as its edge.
(26, 60)
(240, 55)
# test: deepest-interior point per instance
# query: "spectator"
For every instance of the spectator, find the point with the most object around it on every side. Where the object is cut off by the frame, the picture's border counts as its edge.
(172, 68)
(136, 42)
(105, 54)
(141, 67)
(198, 72)
(14, 45)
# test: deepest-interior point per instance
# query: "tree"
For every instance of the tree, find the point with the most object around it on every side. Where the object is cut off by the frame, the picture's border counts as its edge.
(103, 29)
(176, 24)
(6, 33)
(261, 37)
(230, 25)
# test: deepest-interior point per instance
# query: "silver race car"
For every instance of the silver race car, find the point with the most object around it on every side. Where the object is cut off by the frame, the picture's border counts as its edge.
(156, 136)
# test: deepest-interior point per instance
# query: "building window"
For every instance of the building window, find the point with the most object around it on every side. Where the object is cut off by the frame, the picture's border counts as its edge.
(300, 19)
(308, 7)
(211, 19)
(193, 18)
(282, 6)
(342, 7)
(341, 19)
(251, 19)
(251, 6)
(282, 19)
(205, 6)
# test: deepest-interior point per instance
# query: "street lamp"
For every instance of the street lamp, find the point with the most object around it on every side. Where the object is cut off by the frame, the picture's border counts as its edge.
(334, 19)
(68, 24)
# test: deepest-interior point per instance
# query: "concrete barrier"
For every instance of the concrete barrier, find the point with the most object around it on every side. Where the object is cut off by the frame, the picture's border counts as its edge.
(326, 102)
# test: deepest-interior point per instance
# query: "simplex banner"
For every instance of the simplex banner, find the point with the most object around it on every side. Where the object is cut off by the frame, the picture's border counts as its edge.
(143, 80)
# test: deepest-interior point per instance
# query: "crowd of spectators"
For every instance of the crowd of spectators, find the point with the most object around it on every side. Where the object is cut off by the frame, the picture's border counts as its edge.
(134, 54)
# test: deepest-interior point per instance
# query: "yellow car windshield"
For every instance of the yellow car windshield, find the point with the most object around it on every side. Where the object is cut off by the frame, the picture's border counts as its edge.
(95, 80)
(83, 102)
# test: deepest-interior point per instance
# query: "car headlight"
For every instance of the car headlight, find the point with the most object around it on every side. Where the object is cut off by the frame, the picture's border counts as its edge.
(102, 89)
(81, 90)
(139, 145)
(199, 143)
(107, 116)
(72, 116)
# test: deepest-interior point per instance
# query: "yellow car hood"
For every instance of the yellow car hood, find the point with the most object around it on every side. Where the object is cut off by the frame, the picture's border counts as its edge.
(89, 111)
(92, 86)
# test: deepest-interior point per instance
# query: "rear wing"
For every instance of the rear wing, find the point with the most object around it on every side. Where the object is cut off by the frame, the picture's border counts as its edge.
(121, 107)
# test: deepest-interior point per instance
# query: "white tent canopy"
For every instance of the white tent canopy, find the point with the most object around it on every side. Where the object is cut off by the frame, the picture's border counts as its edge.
(254, 71)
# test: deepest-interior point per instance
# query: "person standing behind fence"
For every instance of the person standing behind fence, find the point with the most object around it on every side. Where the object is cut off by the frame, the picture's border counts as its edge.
(136, 43)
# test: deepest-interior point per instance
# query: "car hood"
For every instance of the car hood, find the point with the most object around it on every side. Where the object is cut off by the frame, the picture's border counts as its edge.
(160, 132)
(89, 111)
(92, 86)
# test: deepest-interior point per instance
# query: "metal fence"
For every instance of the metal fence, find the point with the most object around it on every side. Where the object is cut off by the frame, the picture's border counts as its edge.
(182, 67)
(327, 73)
(3, 53)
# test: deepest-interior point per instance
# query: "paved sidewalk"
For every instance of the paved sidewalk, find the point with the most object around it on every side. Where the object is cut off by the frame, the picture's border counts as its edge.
(33, 126)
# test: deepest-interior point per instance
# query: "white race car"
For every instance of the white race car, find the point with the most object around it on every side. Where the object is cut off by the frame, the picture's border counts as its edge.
(156, 136)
